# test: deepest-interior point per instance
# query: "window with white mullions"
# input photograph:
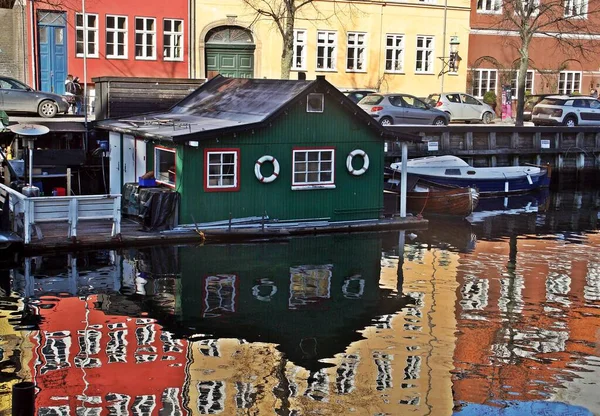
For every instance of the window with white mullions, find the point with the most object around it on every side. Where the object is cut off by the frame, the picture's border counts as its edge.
(173, 40)
(145, 38)
(86, 35)
(425, 47)
(356, 59)
(313, 167)
(569, 82)
(299, 61)
(528, 83)
(488, 6)
(222, 172)
(326, 50)
(394, 53)
(484, 80)
(164, 166)
(576, 8)
(116, 36)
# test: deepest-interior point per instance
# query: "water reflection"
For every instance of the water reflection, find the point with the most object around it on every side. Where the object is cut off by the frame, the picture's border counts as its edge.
(465, 317)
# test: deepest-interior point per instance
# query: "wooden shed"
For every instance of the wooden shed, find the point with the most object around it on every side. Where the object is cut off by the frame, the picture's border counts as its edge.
(239, 148)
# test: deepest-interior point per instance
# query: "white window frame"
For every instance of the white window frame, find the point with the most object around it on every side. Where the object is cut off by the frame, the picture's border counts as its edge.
(489, 6)
(480, 89)
(236, 170)
(536, 4)
(569, 78)
(157, 171)
(318, 184)
(394, 49)
(144, 44)
(300, 44)
(84, 31)
(329, 40)
(427, 54)
(173, 40)
(514, 82)
(580, 5)
(116, 30)
(357, 43)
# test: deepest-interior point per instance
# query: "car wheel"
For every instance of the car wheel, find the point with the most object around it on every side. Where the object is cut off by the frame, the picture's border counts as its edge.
(440, 121)
(570, 121)
(47, 109)
(386, 121)
(487, 117)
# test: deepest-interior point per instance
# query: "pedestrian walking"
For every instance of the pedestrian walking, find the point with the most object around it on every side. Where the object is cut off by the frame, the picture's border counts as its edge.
(78, 96)
(70, 93)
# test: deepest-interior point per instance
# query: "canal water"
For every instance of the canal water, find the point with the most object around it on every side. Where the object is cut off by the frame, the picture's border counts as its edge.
(498, 314)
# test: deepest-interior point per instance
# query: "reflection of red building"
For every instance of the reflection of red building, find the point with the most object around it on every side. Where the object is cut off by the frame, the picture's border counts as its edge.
(84, 358)
(519, 332)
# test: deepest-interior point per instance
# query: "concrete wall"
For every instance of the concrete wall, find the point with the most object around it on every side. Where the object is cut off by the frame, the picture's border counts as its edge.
(12, 57)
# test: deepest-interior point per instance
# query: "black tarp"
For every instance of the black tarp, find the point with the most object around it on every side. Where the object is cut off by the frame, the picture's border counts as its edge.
(158, 208)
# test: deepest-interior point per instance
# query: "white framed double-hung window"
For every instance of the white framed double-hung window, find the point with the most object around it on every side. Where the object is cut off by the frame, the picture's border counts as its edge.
(356, 60)
(313, 168)
(86, 35)
(299, 59)
(221, 170)
(576, 8)
(326, 50)
(484, 80)
(116, 37)
(489, 6)
(165, 166)
(569, 82)
(145, 38)
(394, 53)
(528, 83)
(425, 51)
(173, 40)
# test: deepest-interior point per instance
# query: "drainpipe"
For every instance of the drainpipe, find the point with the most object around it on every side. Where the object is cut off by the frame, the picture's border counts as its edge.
(444, 42)
(32, 24)
(85, 50)
(24, 40)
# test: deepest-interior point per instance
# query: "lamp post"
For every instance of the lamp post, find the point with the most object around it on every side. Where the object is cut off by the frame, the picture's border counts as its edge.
(451, 62)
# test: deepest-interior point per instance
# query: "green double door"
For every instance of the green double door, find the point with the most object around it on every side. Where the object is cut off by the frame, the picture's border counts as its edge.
(230, 61)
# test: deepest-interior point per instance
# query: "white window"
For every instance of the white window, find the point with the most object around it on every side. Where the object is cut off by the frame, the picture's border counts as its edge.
(326, 50)
(394, 53)
(528, 83)
(357, 52)
(424, 62)
(116, 36)
(173, 40)
(531, 7)
(145, 38)
(313, 167)
(86, 35)
(484, 80)
(576, 8)
(299, 61)
(569, 82)
(222, 170)
(488, 6)
(164, 166)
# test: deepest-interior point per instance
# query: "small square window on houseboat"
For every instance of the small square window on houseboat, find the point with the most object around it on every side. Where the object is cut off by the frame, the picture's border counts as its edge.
(222, 170)
(315, 103)
(313, 168)
(164, 166)
(453, 172)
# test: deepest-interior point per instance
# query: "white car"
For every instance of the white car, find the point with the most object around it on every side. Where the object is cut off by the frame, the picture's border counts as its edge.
(567, 110)
(462, 107)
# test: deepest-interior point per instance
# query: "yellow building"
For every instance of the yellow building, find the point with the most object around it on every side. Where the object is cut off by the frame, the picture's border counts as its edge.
(394, 46)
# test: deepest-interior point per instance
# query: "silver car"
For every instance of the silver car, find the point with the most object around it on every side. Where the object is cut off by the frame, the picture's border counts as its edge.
(390, 109)
(463, 107)
(16, 97)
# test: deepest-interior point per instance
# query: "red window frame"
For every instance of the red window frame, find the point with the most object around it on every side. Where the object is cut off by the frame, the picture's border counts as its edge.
(237, 170)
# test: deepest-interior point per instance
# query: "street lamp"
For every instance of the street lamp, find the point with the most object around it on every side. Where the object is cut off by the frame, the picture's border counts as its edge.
(451, 62)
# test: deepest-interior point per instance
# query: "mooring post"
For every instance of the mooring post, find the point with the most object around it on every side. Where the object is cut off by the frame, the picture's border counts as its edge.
(263, 221)
(23, 399)
(230, 221)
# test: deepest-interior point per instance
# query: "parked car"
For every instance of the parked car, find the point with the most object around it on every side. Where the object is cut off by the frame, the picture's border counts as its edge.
(567, 111)
(462, 107)
(359, 94)
(530, 102)
(391, 109)
(18, 97)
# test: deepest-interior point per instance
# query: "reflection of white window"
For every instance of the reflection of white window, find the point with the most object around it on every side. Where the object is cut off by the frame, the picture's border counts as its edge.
(357, 52)
(394, 53)
(209, 347)
(145, 334)
(245, 395)
(143, 405)
(528, 83)
(576, 8)
(309, 284)
(145, 38)
(425, 48)
(116, 36)
(591, 291)
(383, 362)
(86, 35)
(164, 166)
(345, 380)
(318, 389)
(211, 397)
(116, 349)
(173, 40)
(56, 351)
(313, 167)
(119, 403)
(475, 294)
(484, 80)
(326, 50)
(222, 167)
(299, 60)
(489, 6)
(353, 287)
(569, 82)
(170, 402)
(219, 294)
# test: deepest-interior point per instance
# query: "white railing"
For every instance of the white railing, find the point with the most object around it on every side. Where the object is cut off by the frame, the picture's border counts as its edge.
(27, 212)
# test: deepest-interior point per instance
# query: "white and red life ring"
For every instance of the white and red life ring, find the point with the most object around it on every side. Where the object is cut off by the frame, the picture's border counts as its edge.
(259, 162)
(365, 166)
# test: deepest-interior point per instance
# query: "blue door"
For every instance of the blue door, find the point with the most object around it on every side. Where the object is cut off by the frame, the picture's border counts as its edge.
(52, 51)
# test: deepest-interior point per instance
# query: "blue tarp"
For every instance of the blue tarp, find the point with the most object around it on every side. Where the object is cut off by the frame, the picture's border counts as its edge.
(516, 408)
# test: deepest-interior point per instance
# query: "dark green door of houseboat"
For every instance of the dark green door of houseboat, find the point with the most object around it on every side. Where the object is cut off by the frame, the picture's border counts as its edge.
(230, 52)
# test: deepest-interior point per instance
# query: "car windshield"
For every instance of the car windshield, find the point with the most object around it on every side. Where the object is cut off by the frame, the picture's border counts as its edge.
(371, 99)
(553, 101)
(12, 84)
(432, 99)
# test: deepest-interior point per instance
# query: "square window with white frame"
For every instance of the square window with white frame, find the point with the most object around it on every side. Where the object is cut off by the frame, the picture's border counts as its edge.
(313, 168)
(528, 83)
(569, 82)
(425, 50)
(116, 37)
(576, 8)
(145, 38)
(222, 170)
(489, 6)
(164, 166)
(394, 53)
(299, 60)
(173, 40)
(356, 61)
(86, 35)
(326, 50)
(484, 80)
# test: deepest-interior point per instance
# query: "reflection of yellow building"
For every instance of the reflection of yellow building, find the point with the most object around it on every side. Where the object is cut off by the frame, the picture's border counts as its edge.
(393, 46)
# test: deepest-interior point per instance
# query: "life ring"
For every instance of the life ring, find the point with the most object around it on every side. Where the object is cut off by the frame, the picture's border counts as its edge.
(259, 162)
(357, 152)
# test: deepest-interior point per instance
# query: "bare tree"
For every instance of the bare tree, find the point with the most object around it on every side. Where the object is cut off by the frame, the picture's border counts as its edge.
(569, 23)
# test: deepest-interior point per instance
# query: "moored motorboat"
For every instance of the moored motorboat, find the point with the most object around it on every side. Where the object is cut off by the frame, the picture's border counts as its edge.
(453, 171)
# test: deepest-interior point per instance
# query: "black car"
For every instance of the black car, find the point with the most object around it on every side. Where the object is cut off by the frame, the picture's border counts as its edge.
(530, 102)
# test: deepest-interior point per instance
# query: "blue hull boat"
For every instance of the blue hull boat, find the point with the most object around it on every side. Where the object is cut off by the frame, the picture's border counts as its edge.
(453, 171)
